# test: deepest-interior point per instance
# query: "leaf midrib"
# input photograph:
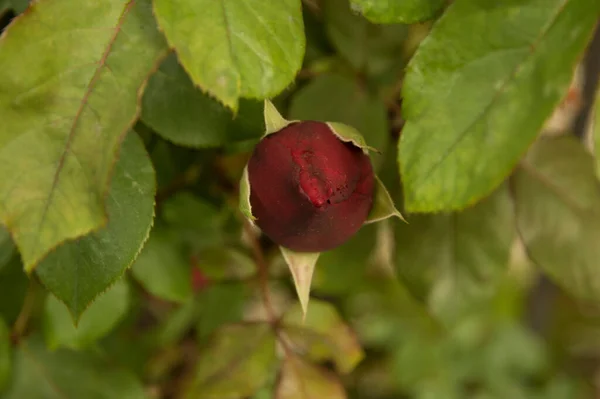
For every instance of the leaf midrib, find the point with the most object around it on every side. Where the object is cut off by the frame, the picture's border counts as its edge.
(77, 117)
(498, 91)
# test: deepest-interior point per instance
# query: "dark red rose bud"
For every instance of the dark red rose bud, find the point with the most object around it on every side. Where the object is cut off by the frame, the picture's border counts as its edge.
(309, 191)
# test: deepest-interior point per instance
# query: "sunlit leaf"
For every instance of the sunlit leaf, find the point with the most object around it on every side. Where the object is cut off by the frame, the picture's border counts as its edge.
(63, 374)
(235, 48)
(302, 380)
(557, 200)
(64, 115)
(405, 11)
(475, 98)
(77, 271)
(162, 269)
(236, 364)
(323, 335)
(98, 320)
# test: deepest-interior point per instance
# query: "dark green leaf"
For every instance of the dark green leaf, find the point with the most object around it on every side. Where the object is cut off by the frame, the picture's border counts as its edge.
(456, 259)
(220, 304)
(5, 355)
(302, 380)
(343, 269)
(371, 48)
(237, 363)
(478, 91)
(13, 287)
(99, 319)
(558, 214)
(323, 335)
(183, 114)
(19, 6)
(7, 248)
(63, 374)
(64, 115)
(77, 271)
(235, 48)
(162, 269)
(335, 98)
(404, 11)
(197, 222)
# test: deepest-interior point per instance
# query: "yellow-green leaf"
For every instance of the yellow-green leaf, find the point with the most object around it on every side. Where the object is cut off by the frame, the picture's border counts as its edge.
(69, 90)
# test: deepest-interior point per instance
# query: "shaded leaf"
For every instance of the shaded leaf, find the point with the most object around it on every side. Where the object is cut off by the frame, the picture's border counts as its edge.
(405, 11)
(183, 114)
(63, 374)
(336, 98)
(77, 271)
(5, 355)
(7, 248)
(558, 214)
(323, 335)
(13, 288)
(342, 270)
(595, 130)
(19, 6)
(370, 48)
(456, 259)
(65, 114)
(162, 269)
(475, 99)
(302, 380)
(219, 304)
(194, 221)
(235, 48)
(236, 364)
(98, 320)
(302, 266)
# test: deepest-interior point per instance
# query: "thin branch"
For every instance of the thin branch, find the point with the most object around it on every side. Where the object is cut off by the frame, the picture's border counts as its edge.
(20, 326)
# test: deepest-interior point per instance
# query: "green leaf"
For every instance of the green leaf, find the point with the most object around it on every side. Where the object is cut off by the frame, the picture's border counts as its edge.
(455, 260)
(7, 248)
(63, 374)
(19, 6)
(65, 114)
(343, 270)
(323, 335)
(478, 91)
(383, 205)
(405, 11)
(235, 48)
(100, 318)
(238, 362)
(162, 269)
(183, 114)
(558, 214)
(302, 380)
(274, 122)
(336, 98)
(13, 288)
(77, 271)
(370, 48)
(302, 266)
(595, 130)
(220, 304)
(244, 201)
(5, 355)
(193, 220)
